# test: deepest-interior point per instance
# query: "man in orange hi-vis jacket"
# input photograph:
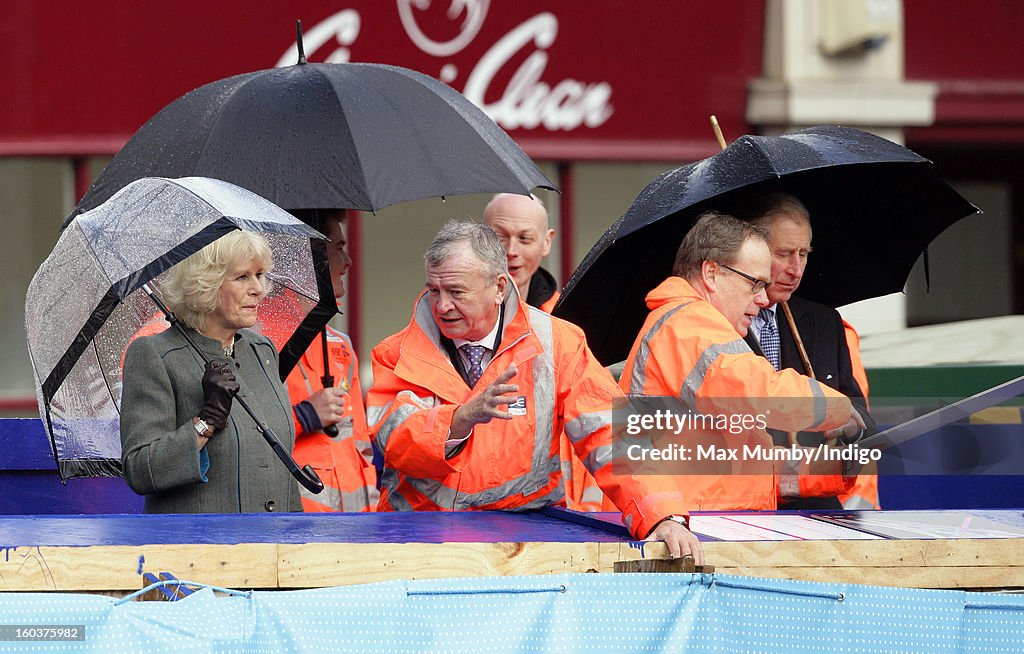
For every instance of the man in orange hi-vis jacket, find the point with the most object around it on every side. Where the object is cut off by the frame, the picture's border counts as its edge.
(469, 399)
(521, 222)
(691, 348)
(343, 460)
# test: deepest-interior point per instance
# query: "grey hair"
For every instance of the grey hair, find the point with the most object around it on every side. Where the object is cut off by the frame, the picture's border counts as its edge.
(714, 237)
(764, 209)
(483, 241)
(191, 288)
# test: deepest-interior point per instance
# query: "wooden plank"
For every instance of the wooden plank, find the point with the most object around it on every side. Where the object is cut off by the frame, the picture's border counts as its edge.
(924, 563)
(340, 564)
(120, 567)
(833, 554)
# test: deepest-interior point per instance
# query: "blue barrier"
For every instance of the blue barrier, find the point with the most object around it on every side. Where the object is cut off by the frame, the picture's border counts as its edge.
(545, 613)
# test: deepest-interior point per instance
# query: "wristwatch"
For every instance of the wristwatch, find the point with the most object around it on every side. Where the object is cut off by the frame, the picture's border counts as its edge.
(683, 520)
(202, 428)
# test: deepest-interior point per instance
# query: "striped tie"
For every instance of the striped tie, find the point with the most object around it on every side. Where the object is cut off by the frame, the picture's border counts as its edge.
(769, 337)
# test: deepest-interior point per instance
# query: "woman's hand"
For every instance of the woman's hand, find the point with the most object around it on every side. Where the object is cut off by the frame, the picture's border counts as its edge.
(219, 387)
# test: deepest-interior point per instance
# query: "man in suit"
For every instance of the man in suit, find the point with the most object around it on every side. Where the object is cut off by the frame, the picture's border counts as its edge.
(788, 225)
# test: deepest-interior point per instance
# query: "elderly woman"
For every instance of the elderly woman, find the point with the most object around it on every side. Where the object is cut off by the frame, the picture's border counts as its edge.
(185, 444)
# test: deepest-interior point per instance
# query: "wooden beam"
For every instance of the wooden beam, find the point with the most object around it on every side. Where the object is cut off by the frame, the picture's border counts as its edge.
(339, 564)
(120, 567)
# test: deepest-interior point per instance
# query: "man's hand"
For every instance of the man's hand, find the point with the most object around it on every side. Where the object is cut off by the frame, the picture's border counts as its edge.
(483, 407)
(680, 541)
(330, 404)
(850, 432)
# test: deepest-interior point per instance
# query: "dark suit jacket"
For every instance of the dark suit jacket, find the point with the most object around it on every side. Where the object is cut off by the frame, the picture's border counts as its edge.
(821, 329)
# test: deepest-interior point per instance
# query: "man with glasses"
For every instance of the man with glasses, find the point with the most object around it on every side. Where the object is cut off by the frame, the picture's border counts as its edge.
(691, 349)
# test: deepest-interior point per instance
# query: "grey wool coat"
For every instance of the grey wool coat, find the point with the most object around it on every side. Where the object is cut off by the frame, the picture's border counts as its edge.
(163, 391)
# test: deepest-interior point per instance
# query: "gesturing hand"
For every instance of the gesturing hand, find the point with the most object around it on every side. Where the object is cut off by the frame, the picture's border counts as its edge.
(219, 387)
(484, 406)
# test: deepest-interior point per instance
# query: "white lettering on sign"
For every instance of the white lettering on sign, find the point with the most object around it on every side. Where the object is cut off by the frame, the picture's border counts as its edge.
(526, 102)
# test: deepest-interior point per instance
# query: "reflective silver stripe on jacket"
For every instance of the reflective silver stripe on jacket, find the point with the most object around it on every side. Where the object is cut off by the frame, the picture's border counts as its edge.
(586, 424)
(543, 463)
(592, 495)
(598, 458)
(694, 380)
(639, 377)
(393, 421)
(820, 402)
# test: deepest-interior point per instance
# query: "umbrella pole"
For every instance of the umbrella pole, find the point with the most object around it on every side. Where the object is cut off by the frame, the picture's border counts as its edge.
(806, 360)
(306, 476)
(785, 305)
(328, 379)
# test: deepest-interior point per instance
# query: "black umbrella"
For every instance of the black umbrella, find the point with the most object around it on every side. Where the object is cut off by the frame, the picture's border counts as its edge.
(874, 207)
(326, 136)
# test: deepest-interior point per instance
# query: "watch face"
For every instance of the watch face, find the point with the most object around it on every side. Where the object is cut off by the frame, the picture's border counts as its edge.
(202, 428)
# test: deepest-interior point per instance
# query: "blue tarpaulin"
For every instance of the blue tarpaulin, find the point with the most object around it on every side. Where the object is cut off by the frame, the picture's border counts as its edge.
(544, 613)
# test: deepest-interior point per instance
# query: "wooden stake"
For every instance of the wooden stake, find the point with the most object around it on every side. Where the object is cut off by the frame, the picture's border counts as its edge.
(806, 360)
(718, 132)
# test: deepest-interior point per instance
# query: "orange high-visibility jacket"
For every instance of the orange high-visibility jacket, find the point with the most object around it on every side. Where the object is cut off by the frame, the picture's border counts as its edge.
(505, 464)
(582, 493)
(549, 304)
(344, 462)
(688, 350)
(864, 494)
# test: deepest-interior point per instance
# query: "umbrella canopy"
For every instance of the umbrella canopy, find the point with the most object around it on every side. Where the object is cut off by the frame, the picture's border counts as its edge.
(874, 207)
(326, 136)
(85, 303)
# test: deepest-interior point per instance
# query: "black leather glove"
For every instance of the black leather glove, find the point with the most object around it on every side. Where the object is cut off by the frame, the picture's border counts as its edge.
(219, 387)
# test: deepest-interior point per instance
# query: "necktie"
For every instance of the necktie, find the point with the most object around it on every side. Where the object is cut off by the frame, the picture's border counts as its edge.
(475, 354)
(769, 337)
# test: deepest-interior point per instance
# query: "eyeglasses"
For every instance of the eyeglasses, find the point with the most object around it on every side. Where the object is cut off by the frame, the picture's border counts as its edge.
(756, 285)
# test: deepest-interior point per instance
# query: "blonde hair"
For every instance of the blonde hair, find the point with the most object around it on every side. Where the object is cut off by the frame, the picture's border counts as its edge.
(192, 287)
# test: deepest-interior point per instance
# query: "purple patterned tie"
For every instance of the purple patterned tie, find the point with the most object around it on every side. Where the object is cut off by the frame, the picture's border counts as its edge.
(769, 337)
(475, 354)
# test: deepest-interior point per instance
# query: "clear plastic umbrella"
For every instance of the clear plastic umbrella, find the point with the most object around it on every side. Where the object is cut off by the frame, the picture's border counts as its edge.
(86, 302)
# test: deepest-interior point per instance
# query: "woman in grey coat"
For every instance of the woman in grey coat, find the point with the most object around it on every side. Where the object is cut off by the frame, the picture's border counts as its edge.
(185, 444)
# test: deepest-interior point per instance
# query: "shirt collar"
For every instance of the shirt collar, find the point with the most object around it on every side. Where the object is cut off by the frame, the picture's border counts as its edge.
(487, 341)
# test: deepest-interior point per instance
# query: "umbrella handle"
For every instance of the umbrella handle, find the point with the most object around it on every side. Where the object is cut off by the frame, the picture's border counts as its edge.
(328, 379)
(306, 476)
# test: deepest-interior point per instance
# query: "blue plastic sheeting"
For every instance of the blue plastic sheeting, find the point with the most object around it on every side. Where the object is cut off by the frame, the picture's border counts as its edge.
(549, 613)
(416, 527)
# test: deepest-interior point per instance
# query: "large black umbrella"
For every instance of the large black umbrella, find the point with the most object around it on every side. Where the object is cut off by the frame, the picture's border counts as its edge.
(874, 207)
(326, 136)
(87, 301)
